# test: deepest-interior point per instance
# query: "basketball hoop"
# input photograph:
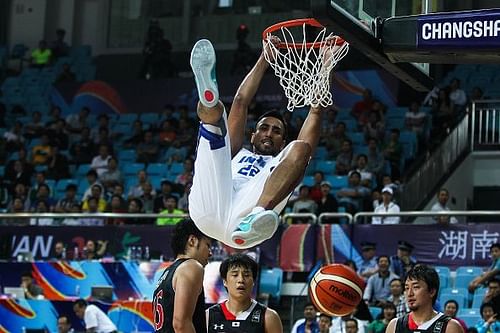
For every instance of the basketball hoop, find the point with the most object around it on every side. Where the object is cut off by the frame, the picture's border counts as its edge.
(304, 67)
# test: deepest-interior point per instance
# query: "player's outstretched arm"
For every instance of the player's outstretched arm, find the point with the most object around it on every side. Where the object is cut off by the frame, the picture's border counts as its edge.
(273, 322)
(311, 129)
(239, 109)
(188, 285)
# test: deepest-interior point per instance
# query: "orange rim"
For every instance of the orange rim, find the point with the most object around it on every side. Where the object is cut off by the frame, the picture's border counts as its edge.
(294, 23)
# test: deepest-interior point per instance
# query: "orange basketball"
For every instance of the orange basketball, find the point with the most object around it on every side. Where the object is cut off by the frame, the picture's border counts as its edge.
(336, 290)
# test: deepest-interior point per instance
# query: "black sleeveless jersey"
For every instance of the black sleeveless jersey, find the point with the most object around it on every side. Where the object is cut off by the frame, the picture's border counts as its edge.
(163, 303)
(220, 320)
(437, 326)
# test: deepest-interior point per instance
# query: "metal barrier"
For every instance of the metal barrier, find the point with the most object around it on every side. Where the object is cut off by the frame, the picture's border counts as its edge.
(417, 188)
(287, 216)
(450, 213)
(485, 124)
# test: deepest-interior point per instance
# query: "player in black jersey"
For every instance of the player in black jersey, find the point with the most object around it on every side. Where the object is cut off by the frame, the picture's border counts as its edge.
(179, 300)
(240, 313)
(421, 290)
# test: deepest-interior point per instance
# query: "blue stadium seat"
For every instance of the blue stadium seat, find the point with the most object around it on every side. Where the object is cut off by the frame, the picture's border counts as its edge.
(458, 294)
(176, 168)
(473, 270)
(150, 118)
(375, 311)
(82, 170)
(308, 180)
(325, 166)
(320, 152)
(444, 276)
(463, 280)
(131, 169)
(271, 280)
(127, 155)
(337, 182)
(478, 297)
(470, 319)
(357, 138)
(157, 169)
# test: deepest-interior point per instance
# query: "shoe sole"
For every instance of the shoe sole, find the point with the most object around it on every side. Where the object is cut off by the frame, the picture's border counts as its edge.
(265, 225)
(202, 63)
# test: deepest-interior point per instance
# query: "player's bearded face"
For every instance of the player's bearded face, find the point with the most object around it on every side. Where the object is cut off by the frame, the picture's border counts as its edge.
(268, 138)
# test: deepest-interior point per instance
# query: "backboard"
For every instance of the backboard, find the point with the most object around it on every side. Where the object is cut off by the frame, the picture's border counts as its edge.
(405, 36)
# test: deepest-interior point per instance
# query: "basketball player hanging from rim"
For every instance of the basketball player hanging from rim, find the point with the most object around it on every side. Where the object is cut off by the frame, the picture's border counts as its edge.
(237, 194)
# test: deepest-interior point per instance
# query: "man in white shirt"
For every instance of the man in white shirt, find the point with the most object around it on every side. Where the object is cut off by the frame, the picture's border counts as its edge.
(387, 206)
(96, 321)
(100, 162)
(440, 206)
(457, 95)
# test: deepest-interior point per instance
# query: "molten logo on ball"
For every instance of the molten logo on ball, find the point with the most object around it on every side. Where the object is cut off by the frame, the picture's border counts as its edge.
(336, 290)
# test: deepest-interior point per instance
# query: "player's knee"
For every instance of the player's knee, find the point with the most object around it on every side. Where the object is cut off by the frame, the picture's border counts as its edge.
(300, 150)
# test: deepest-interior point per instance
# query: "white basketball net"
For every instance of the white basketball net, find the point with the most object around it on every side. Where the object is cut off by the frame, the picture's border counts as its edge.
(304, 72)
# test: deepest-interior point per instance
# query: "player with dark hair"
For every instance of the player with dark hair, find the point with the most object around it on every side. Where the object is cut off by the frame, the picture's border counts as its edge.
(178, 299)
(237, 194)
(241, 313)
(421, 291)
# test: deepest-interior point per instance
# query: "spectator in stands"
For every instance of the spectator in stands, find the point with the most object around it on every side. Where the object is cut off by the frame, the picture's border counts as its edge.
(58, 136)
(387, 206)
(304, 203)
(377, 287)
(31, 289)
(361, 109)
(492, 272)
(59, 47)
(187, 173)
(367, 178)
(41, 207)
(368, 265)
(66, 74)
(95, 192)
(135, 207)
(116, 205)
(443, 112)
(415, 120)
(402, 262)
(147, 198)
(137, 190)
(308, 323)
(35, 128)
(328, 124)
(451, 310)
(167, 133)
(353, 197)
(327, 203)
(344, 161)
(102, 123)
(91, 180)
(41, 56)
(41, 152)
(43, 195)
(170, 208)
(66, 204)
(374, 126)
(95, 319)
(379, 325)
(55, 116)
(186, 134)
(40, 178)
(176, 153)
(100, 162)
(103, 138)
(137, 135)
(59, 251)
(493, 294)
(58, 165)
(348, 324)
(334, 143)
(14, 137)
(82, 150)
(166, 191)
(397, 297)
(20, 192)
(112, 176)
(376, 162)
(93, 251)
(489, 322)
(393, 151)
(476, 94)
(76, 122)
(315, 189)
(324, 323)
(441, 206)
(147, 149)
(458, 97)
(184, 200)
(64, 325)
(18, 174)
(16, 206)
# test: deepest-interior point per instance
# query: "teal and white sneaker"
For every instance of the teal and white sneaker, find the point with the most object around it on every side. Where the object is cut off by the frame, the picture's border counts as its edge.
(255, 228)
(203, 65)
